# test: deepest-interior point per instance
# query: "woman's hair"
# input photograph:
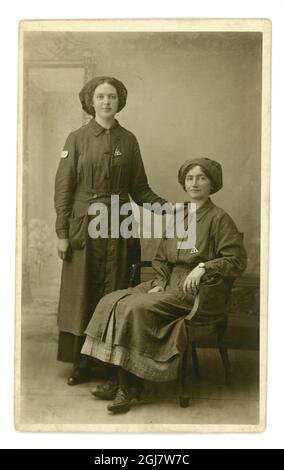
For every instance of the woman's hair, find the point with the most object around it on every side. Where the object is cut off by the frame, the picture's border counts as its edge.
(211, 168)
(86, 95)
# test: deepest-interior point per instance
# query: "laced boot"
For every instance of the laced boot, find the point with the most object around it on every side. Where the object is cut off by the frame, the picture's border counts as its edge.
(122, 401)
(105, 391)
(79, 375)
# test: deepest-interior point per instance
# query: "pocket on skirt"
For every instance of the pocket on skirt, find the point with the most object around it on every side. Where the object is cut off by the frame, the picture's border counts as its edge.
(78, 231)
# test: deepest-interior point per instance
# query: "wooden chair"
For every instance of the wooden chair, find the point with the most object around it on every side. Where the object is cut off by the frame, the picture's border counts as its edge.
(217, 325)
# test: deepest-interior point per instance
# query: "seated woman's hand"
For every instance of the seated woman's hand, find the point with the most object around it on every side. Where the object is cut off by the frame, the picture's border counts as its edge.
(155, 289)
(192, 281)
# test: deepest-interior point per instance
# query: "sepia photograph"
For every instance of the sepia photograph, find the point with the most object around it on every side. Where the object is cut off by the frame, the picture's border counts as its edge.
(142, 225)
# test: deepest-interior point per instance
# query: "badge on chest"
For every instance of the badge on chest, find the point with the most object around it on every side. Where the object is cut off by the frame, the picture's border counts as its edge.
(117, 152)
(64, 154)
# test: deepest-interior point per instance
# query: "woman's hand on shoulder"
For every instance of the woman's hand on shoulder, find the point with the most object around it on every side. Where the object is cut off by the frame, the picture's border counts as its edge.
(192, 281)
(156, 289)
(62, 248)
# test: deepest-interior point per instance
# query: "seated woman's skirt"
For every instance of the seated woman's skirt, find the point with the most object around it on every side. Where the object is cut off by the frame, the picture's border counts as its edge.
(144, 333)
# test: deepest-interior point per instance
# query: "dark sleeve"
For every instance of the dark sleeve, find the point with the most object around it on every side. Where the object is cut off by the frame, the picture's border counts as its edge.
(161, 266)
(65, 185)
(140, 190)
(231, 257)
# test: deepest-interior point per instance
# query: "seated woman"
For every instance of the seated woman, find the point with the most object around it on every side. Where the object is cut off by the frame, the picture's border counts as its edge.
(142, 330)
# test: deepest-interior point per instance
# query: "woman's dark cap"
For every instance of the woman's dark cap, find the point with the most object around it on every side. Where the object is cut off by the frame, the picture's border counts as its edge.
(211, 168)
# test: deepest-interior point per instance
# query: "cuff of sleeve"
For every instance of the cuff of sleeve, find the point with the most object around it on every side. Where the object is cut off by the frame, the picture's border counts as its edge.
(62, 233)
(210, 269)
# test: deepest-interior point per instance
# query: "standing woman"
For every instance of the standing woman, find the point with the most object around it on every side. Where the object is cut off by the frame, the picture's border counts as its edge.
(98, 160)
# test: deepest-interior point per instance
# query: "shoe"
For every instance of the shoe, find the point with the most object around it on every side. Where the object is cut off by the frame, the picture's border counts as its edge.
(122, 401)
(79, 376)
(124, 398)
(105, 391)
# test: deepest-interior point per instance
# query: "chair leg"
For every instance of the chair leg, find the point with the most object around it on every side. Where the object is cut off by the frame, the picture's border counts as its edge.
(224, 355)
(184, 402)
(184, 379)
(195, 361)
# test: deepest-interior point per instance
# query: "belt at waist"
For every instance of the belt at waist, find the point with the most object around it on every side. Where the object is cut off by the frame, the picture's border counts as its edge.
(100, 196)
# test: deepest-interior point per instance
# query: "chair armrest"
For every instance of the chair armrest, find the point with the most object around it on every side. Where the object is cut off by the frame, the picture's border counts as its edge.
(142, 264)
(207, 282)
(194, 309)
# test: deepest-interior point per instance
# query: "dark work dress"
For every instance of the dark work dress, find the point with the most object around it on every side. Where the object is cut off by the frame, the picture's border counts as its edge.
(95, 164)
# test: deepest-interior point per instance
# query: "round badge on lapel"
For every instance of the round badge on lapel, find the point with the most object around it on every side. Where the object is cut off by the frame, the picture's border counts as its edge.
(64, 154)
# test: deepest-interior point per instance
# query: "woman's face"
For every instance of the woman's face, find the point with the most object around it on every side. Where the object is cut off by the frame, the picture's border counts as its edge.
(197, 184)
(105, 101)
